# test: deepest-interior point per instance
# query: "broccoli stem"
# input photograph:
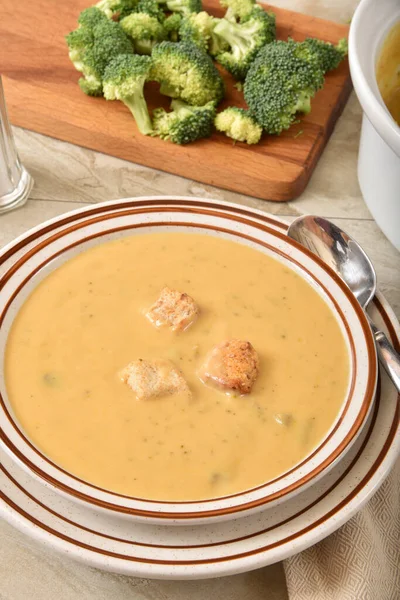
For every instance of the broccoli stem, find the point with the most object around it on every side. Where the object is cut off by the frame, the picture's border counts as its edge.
(303, 103)
(174, 5)
(91, 86)
(181, 108)
(230, 15)
(232, 34)
(144, 46)
(138, 107)
(168, 90)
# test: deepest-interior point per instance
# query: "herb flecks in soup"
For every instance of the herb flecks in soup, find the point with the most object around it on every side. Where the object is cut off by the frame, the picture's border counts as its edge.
(388, 72)
(86, 321)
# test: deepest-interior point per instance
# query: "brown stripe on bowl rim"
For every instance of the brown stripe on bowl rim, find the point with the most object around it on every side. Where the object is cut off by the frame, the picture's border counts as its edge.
(140, 207)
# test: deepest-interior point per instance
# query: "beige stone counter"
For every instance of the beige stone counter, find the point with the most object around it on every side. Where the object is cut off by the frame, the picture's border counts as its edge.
(67, 177)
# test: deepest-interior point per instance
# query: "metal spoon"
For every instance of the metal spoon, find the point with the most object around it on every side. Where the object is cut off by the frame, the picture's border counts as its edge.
(349, 261)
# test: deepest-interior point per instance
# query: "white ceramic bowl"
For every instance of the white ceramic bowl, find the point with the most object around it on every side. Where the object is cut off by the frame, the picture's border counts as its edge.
(31, 257)
(379, 153)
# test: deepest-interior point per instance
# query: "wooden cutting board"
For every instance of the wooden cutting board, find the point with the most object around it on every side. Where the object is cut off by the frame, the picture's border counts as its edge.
(42, 95)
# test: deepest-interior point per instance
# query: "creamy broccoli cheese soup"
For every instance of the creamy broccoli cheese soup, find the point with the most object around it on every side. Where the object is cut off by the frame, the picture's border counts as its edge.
(87, 320)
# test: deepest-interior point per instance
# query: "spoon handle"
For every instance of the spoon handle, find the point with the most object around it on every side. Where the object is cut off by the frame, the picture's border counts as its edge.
(388, 356)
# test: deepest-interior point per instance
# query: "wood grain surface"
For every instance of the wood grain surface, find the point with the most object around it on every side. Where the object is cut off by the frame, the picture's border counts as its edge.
(42, 95)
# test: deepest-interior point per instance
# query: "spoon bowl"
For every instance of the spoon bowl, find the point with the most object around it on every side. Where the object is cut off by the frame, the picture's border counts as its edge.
(340, 252)
(346, 257)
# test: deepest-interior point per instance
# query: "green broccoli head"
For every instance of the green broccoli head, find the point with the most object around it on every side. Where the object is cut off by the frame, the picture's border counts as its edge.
(245, 39)
(185, 7)
(91, 17)
(238, 8)
(172, 25)
(152, 8)
(185, 123)
(124, 79)
(330, 56)
(280, 82)
(96, 41)
(239, 125)
(185, 72)
(146, 31)
(80, 43)
(196, 28)
(109, 42)
(116, 9)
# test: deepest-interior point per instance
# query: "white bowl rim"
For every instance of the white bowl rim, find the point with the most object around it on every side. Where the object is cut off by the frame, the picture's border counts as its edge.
(372, 105)
(226, 208)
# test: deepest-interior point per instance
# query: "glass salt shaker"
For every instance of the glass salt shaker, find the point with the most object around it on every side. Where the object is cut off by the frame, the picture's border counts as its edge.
(15, 181)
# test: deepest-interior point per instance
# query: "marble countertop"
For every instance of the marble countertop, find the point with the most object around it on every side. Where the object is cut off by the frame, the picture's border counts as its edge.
(68, 177)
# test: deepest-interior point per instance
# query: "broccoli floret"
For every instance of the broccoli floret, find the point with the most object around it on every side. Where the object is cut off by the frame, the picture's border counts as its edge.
(80, 43)
(116, 9)
(198, 28)
(245, 39)
(239, 125)
(238, 8)
(146, 31)
(152, 8)
(145, 26)
(330, 56)
(185, 123)
(96, 41)
(172, 26)
(109, 42)
(280, 82)
(124, 79)
(91, 17)
(185, 72)
(185, 7)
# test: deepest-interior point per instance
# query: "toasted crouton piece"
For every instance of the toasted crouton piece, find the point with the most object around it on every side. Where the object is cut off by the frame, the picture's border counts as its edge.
(173, 309)
(154, 378)
(232, 365)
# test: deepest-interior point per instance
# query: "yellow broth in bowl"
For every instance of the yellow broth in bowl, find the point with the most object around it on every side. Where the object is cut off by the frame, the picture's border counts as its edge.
(388, 72)
(86, 321)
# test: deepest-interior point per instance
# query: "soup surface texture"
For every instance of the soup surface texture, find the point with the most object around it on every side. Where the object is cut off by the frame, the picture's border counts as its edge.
(85, 321)
(388, 72)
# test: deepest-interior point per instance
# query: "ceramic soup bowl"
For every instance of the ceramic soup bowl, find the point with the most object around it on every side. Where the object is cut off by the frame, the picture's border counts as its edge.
(30, 258)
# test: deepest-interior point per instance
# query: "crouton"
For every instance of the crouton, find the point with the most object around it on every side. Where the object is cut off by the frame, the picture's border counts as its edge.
(153, 378)
(173, 309)
(232, 366)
